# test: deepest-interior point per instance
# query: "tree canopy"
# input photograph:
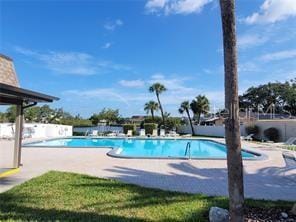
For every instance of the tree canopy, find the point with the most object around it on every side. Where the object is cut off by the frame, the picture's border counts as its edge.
(45, 114)
(200, 105)
(279, 96)
(109, 115)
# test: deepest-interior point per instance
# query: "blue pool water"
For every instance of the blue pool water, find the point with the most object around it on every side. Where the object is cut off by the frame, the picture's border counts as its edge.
(162, 148)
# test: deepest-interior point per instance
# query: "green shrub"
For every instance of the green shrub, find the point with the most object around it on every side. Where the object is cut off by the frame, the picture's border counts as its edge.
(149, 127)
(78, 134)
(272, 134)
(252, 129)
(172, 123)
(127, 127)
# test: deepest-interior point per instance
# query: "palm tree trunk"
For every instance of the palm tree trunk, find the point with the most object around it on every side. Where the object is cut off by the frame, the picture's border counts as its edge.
(160, 107)
(152, 114)
(198, 118)
(190, 121)
(232, 126)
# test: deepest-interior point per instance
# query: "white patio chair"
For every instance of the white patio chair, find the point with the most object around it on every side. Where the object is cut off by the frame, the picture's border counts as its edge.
(162, 133)
(173, 134)
(112, 134)
(291, 141)
(129, 133)
(93, 133)
(248, 137)
(142, 132)
(154, 133)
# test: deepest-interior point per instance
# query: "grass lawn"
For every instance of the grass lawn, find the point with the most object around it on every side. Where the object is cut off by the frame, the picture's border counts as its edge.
(74, 197)
(291, 147)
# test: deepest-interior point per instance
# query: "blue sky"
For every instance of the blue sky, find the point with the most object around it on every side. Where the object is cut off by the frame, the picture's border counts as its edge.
(94, 54)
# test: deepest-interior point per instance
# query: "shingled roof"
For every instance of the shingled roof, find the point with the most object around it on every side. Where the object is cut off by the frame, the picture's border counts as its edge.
(7, 72)
(10, 90)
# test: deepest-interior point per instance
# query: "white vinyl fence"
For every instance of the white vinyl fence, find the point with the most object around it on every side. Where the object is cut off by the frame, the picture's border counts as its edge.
(36, 130)
(286, 128)
(100, 129)
(218, 131)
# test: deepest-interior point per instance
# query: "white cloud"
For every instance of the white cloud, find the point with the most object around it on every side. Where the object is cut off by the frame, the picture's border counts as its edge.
(178, 91)
(119, 22)
(272, 11)
(250, 40)
(176, 6)
(112, 25)
(171, 83)
(247, 67)
(107, 45)
(157, 76)
(98, 94)
(74, 63)
(132, 83)
(285, 54)
(155, 4)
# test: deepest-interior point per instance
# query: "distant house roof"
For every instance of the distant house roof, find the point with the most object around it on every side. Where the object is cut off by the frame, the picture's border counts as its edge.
(211, 119)
(10, 91)
(138, 117)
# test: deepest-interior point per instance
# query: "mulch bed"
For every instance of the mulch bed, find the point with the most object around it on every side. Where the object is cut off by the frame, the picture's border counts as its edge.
(268, 215)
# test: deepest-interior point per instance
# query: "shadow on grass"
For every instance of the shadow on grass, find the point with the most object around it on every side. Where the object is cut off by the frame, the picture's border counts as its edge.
(72, 197)
(12, 212)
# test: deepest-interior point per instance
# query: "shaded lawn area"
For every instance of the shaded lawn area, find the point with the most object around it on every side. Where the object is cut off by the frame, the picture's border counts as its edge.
(74, 197)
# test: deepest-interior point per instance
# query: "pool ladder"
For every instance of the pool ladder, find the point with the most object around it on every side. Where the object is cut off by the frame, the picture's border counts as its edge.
(188, 150)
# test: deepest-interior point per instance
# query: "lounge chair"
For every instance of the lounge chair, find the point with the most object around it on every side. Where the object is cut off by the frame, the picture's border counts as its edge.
(129, 133)
(291, 141)
(162, 133)
(142, 132)
(28, 132)
(119, 134)
(112, 134)
(173, 134)
(93, 133)
(187, 135)
(248, 137)
(154, 133)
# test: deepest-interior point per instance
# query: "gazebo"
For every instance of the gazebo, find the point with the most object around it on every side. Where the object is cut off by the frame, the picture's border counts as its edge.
(12, 94)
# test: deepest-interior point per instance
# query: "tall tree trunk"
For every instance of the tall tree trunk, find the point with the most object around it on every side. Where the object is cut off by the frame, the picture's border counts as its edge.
(160, 107)
(198, 118)
(190, 121)
(152, 114)
(232, 126)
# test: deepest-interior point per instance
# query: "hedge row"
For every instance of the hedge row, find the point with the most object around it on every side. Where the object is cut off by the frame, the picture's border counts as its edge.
(127, 127)
(149, 127)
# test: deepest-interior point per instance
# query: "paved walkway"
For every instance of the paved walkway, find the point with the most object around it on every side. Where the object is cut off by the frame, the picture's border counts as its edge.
(272, 178)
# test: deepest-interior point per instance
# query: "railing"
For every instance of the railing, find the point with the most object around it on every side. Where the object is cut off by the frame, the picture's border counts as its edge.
(188, 150)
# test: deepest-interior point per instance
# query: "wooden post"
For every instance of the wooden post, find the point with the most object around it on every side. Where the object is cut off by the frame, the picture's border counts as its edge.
(18, 136)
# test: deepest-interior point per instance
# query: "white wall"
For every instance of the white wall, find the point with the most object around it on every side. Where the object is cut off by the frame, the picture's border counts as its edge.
(287, 129)
(39, 130)
(203, 130)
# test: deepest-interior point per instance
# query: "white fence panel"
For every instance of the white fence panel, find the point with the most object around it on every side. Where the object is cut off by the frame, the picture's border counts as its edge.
(37, 130)
(286, 128)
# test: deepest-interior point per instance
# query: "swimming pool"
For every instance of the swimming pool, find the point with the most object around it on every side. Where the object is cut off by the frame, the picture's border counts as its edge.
(147, 148)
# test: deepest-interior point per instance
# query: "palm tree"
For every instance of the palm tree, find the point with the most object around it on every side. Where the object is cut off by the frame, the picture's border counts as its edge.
(232, 128)
(158, 88)
(185, 107)
(151, 107)
(200, 105)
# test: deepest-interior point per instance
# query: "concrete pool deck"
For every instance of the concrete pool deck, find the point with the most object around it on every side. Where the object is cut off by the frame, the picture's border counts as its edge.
(272, 178)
